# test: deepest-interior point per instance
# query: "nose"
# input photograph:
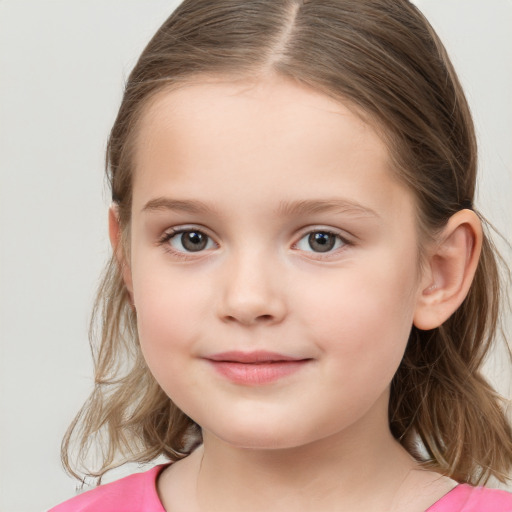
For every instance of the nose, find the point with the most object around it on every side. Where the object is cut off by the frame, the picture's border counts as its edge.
(252, 292)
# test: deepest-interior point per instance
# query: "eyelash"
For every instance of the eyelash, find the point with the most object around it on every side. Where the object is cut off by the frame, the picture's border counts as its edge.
(169, 235)
(165, 240)
(341, 242)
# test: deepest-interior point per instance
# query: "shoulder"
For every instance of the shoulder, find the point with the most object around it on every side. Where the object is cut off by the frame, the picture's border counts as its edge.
(134, 493)
(465, 498)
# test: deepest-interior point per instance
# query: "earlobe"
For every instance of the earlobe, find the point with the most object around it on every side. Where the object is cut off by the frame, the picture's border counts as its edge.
(451, 266)
(114, 232)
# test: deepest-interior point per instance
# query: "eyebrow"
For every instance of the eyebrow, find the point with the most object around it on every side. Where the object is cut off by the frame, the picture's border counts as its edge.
(289, 208)
(165, 203)
(335, 205)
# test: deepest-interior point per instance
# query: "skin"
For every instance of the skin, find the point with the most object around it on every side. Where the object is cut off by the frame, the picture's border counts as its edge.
(251, 153)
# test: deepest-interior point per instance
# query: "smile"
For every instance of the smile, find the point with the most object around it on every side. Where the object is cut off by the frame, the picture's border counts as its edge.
(255, 368)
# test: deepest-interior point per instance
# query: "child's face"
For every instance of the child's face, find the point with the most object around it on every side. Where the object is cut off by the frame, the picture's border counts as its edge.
(293, 238)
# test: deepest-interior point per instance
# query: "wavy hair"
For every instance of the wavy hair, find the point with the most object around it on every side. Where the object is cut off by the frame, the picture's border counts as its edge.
(383, 57)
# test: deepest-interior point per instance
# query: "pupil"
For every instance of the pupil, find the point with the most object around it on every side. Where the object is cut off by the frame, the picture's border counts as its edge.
(321, 242)
(193, 241)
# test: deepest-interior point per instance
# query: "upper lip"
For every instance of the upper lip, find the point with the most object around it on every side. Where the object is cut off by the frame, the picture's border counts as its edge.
(258, 356)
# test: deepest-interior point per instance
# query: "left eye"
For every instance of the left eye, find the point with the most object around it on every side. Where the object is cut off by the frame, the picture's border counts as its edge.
(320, 241)
(190, 241)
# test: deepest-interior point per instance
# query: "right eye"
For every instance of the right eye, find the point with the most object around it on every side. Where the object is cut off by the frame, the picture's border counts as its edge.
(188, 240)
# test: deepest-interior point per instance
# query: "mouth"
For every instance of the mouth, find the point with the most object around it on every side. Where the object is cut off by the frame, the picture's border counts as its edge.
(255, 368)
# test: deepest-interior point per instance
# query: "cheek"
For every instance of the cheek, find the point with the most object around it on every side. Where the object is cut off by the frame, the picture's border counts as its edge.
(168, 325)
(365, 320)
(169, 315)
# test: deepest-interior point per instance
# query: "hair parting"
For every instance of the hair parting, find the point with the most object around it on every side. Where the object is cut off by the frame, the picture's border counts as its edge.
(384, 58)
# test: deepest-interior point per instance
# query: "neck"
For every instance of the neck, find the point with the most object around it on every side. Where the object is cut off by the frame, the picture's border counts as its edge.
(303, 479)
(361, 468)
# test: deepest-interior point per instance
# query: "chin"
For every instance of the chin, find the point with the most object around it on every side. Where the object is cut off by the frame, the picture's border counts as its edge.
(262, 437)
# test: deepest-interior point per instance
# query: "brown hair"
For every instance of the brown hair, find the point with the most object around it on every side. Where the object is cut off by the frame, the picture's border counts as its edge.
(384, 58)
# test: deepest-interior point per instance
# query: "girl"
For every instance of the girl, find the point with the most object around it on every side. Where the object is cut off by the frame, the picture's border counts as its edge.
(301, 293)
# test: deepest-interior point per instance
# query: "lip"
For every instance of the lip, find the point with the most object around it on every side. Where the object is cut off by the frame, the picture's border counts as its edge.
(255, 368)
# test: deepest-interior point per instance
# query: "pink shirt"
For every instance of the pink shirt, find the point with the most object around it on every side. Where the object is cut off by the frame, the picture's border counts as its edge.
(137, 493)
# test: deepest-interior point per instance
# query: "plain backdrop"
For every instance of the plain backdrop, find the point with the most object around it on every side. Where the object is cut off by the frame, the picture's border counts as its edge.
(62, 68)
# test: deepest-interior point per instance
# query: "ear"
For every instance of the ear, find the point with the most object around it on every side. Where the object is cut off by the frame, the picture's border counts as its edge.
(451, 266)
(114, 232)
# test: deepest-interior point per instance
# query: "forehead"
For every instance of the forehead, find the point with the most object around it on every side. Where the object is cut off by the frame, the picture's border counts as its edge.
(271, 135)
(273, 97)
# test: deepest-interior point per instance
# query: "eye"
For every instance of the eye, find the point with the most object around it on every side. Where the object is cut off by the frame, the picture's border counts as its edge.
(320, 241)
(188, 240)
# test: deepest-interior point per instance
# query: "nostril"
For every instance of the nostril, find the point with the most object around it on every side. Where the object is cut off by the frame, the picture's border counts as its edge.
(254, 320)
(251, 309)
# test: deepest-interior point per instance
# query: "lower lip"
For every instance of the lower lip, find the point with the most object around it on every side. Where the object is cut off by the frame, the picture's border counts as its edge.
(257, 373)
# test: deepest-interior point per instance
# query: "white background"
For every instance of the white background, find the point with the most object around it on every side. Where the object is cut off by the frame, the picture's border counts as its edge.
(62, 69)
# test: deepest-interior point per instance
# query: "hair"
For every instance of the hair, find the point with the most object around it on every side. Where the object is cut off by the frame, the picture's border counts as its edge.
(383, 58)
